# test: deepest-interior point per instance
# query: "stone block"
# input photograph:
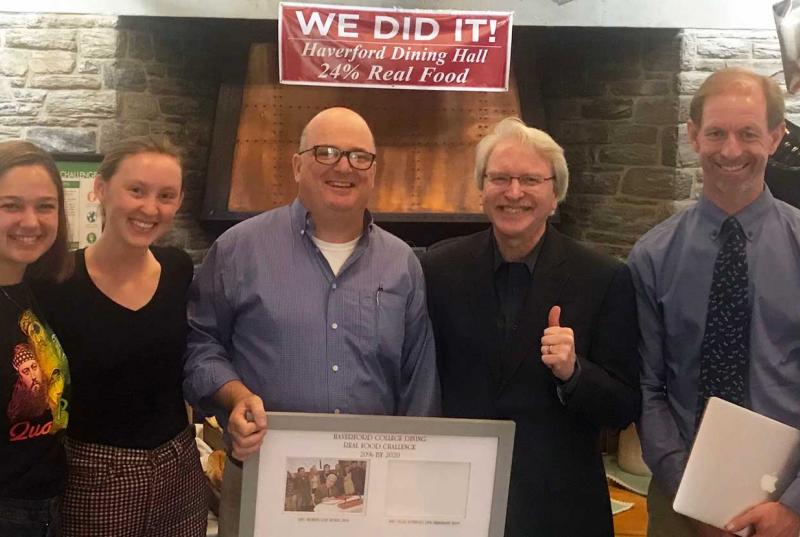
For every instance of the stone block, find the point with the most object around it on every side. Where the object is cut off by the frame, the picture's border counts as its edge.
(101, 43)
(89, 67)
(82, 104)
(29, 95)
(662, 52)
(613, 72)
(113, 132)
(626, 219)
(140, 46)
(42, 39)
(10, 133)
(657, 183)
(578, 157)
(639, 87)
(64, 140)
(81, 21)
(138, 106)
(656, 111)
(178, 106)
(724, 48)
(631, 154)
(13, 62)
(689, 82)
(684, 104)
(767, 50)
(168, 49)
(155, 69)
(21, 20)
(128, 75)
(686, 156)
(65, 82)
(633, 134)
(583, 132)
(563, 109)
(15, 108)
(669, 146)
(595, 182)
(16, 82)
(608, 108)
(52, 63)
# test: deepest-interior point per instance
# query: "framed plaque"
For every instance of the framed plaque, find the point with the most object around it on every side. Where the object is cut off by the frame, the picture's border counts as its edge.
(350, 476)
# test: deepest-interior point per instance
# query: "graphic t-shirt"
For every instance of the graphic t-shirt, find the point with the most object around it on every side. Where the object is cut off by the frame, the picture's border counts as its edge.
(34, 390)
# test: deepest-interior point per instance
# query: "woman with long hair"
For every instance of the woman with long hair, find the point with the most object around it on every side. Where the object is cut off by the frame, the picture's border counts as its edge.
(134, 465)
(34, 374)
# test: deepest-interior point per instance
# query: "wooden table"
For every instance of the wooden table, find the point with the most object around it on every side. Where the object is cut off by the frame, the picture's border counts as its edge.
(633, 522)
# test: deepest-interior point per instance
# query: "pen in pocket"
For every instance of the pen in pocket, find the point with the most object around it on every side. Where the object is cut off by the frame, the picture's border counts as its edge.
(378, 296)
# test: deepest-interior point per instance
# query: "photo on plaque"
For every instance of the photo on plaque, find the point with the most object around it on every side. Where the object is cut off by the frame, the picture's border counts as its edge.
(325, 485)
(413, 489)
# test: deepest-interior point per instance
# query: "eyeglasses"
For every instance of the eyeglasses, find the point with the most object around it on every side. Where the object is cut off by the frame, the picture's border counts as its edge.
(330, 155)
(525, 181)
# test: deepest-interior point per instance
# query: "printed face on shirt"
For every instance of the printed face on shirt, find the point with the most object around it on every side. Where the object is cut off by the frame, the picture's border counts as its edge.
(141, 198)
(339, 188)
(518, 212)
(733, 141)
(28, 217)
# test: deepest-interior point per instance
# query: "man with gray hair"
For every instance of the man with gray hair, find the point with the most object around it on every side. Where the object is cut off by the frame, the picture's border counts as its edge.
(533, 327)
(717, 290)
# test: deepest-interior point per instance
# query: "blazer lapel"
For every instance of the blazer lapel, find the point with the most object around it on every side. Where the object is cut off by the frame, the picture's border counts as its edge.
(549, 277)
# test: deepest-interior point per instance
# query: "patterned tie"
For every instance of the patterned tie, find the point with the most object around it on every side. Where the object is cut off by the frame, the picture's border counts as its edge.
(725, 351)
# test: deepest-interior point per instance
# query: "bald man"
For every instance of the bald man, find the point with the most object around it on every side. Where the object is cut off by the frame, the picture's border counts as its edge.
(310, 307)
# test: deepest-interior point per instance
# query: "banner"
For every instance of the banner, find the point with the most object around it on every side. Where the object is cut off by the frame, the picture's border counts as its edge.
(84, 220)
(324, 45)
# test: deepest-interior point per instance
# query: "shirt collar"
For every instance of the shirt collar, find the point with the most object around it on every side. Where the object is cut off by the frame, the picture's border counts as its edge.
(530, 259)
(303, 224)
(750, 217)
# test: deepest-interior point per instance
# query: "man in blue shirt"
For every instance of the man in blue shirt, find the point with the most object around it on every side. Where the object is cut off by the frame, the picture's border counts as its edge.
(311, 307)
(678, 268)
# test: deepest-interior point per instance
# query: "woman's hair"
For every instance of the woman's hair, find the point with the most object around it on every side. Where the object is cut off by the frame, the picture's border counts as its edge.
(135, 146)
(56, 263)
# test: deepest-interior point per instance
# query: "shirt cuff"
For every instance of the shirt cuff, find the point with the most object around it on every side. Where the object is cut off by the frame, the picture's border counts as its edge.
(791, 496)
(566, 388)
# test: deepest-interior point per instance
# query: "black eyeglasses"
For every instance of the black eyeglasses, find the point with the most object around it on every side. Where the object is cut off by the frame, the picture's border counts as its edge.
(330, 155)
(525, 181)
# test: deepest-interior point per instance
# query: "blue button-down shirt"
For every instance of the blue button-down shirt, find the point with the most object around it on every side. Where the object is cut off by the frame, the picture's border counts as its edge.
(266, 309)
(672, 267)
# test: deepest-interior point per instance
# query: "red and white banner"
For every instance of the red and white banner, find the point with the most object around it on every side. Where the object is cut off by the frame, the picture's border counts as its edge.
(326, 45)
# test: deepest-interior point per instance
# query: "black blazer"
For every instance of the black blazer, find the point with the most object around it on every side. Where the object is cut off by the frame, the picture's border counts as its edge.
(558, 486)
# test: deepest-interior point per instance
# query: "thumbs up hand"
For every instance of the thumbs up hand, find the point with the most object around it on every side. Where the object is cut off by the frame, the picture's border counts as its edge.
(558, 346)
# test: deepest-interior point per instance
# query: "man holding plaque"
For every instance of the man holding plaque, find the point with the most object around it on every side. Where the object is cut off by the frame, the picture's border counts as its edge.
(530, 326)
(310, 307)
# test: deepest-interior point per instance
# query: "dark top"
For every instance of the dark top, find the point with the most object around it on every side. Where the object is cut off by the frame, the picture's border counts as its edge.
(34, 387)
(512, 280)
(557, 470)
(126, 365)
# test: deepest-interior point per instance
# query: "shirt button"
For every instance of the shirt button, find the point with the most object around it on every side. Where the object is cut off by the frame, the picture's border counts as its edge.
(337, 411)
(334, 326)
(334, 286)
(302, 231)
(335, 368)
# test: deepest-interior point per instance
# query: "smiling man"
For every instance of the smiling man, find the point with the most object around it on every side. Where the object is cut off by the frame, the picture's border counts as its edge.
(717, 290)
(530, 326)
(310, 307)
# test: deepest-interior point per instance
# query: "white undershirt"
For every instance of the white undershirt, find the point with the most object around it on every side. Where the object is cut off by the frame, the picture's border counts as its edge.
(336, 252)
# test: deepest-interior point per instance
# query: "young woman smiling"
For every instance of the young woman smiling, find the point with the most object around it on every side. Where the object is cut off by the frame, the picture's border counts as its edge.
(34, 376)
(134, 466)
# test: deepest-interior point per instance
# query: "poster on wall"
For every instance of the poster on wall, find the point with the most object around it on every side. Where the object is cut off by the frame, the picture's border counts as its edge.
(84, 220)
(351, 476)
(327, 45)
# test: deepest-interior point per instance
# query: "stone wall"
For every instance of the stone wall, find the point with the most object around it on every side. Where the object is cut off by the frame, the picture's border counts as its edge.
(620, 108)
(79, 84)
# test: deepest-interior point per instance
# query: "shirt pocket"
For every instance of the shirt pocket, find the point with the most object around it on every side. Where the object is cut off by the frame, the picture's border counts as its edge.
(86, 474)
(383, 322)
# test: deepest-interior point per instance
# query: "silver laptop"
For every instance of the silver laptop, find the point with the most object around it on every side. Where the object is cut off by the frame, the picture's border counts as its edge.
(739, 459)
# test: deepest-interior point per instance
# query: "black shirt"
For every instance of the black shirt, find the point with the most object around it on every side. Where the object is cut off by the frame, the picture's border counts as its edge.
(34, 387)
(126, 365)
(512, 282)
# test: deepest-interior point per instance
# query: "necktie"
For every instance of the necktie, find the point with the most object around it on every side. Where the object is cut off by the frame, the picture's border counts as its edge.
(725, 350)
